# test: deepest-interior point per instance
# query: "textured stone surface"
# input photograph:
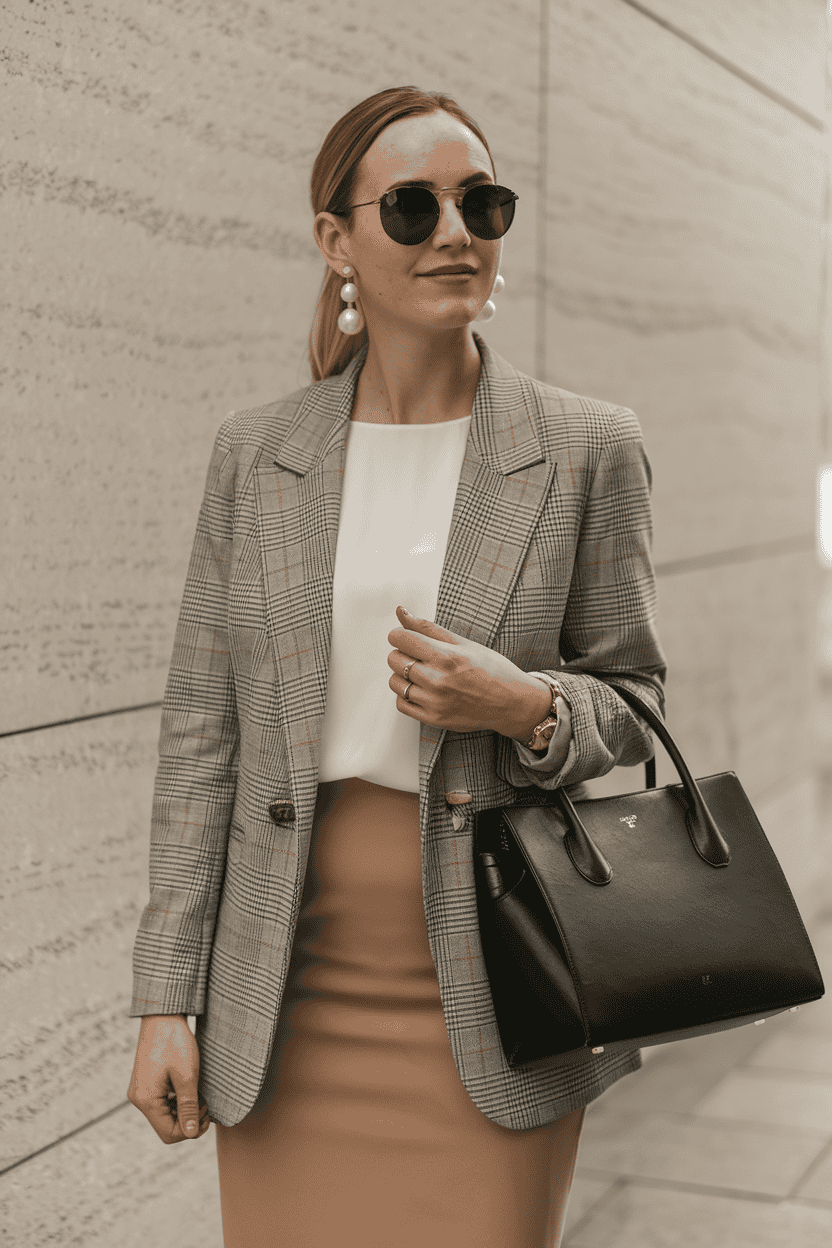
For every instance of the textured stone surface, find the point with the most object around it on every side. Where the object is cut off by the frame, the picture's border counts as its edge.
(781, 43)
(729, 631)
(637, 1216)
(737, 1156)
(684, 272)
(764, 1097)
(818, 1184)
(76, 813)
(115, 1185)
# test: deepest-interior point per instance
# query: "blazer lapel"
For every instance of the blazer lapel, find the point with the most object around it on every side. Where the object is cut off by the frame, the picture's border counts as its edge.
(504, 481)
(298, 486)
(503, 485)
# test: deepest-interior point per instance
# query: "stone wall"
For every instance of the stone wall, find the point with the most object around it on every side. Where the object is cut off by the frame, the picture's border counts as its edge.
(159, 271)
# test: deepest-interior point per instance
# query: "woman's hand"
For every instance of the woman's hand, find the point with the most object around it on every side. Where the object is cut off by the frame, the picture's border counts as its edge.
(462, 685)
(165, 1079)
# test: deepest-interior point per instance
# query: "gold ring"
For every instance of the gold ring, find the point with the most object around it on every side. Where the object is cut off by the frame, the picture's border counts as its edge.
(404, 695)
(407, 668)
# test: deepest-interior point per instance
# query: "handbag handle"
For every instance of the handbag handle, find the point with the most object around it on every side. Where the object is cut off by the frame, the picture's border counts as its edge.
(705, 836)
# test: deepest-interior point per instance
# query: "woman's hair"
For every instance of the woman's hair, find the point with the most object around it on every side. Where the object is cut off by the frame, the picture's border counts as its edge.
(333, 177)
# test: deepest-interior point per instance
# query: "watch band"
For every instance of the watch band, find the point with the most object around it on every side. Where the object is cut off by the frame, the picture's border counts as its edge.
(542, 735)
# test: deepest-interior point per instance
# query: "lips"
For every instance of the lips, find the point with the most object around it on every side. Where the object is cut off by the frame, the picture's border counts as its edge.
(456, 269)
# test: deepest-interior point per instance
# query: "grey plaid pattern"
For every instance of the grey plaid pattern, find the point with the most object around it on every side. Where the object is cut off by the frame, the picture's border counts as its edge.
(548, 561)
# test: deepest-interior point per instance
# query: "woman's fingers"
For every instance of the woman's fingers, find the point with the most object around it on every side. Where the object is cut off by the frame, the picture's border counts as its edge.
(159, 1108)
(182, 1114)
(429, 627)
(186, 1108)
(421, 645)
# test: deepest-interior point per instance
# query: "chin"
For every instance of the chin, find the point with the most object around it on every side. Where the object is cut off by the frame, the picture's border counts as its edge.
(453, 314)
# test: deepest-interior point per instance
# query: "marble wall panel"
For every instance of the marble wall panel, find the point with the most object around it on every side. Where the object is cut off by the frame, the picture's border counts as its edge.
(76, 803)
(161, 272)
(741, 673)
(115, 1184)
(779, 42)
(684, 272)
(741, 667)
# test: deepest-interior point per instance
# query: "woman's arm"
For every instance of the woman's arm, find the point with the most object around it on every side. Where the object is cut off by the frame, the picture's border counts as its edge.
(196, 777)
(609, 621)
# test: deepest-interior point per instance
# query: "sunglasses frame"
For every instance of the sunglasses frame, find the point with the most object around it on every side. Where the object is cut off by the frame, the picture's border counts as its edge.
(461, 206)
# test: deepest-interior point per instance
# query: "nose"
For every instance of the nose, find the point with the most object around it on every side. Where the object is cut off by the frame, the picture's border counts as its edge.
(451, 229)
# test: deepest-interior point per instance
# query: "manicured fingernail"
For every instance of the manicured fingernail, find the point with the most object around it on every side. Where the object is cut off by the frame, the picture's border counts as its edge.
(403, 611)
(190, 1126)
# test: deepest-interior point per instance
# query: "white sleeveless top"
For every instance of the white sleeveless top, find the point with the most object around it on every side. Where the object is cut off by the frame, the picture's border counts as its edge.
(399, 487)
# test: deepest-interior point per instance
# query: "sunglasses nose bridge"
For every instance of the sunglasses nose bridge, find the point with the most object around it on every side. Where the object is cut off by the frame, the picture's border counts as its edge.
(451, 221)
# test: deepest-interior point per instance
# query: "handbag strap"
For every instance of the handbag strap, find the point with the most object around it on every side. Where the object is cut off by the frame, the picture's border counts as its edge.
(650, 773)
(706, 837)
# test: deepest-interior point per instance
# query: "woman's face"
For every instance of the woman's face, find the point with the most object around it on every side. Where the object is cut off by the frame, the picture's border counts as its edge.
(401, 284)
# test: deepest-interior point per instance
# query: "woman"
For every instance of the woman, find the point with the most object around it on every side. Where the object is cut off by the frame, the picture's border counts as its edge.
(312, 891)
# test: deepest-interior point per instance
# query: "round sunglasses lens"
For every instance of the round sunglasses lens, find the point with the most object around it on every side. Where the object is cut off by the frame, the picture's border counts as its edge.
(409, 214)
(488, 211)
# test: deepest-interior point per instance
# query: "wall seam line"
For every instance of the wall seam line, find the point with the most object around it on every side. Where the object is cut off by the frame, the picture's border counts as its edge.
(757, 83)
(84, 1126)
(540, 360)
(798, 544)
(80, 719)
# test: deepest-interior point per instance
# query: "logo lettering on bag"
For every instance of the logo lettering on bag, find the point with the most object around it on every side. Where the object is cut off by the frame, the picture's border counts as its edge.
(706, 979)
(628, 819)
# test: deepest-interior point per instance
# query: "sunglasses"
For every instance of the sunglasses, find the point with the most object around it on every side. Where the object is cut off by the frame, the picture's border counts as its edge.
(410, 214)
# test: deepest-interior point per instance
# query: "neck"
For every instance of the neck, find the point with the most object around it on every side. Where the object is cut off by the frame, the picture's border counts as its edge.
(413, 379)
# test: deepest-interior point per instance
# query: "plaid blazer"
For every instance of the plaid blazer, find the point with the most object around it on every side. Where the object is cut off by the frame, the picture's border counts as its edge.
(548, 561)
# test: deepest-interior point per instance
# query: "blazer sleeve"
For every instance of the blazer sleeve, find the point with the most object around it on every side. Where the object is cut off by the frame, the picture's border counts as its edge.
(609, 621)
(196, 778)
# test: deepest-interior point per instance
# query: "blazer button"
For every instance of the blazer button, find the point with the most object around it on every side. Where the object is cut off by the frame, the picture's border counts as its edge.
(282, 812)
(457, 798)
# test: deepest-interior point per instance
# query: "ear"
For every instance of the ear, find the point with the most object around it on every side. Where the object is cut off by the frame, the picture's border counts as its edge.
(331, 234)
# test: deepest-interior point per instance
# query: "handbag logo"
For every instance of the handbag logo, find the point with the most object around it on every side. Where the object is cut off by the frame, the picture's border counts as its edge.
(706, 979)
(628, 819)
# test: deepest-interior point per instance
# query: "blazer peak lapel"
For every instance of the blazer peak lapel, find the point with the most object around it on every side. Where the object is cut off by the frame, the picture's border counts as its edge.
(504, 482)
(298, 507)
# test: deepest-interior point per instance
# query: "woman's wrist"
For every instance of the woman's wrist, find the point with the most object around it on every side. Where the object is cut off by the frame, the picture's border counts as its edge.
(532, 706)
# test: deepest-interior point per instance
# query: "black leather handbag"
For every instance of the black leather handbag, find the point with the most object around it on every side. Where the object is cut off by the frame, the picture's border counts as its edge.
(623, 922)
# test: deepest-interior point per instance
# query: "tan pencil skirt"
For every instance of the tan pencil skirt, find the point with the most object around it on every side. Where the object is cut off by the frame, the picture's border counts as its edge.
(363, 1135)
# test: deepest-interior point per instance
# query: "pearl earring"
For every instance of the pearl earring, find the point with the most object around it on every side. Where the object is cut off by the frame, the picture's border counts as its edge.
(350, 321)
(489, 308)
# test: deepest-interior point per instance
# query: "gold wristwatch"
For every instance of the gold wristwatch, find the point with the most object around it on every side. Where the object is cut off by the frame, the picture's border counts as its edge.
(544, 731)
